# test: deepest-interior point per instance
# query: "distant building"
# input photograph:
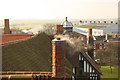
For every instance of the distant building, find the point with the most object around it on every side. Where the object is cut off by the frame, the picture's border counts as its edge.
(101, 41)
(31, 58)
(67, 26)
(98, 23)
(95, 32)
(113, 29)
(87, 38)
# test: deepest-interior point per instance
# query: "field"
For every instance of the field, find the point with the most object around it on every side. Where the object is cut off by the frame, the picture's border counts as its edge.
(107, 72)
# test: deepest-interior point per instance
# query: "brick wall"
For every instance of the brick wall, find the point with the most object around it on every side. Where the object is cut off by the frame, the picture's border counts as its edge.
(59, 29)
(58, 58)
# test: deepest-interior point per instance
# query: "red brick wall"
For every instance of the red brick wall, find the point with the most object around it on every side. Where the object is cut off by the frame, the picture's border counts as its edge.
(97, 46)
(58, 59)
(81, 35)
(13, 37)
(59, 29)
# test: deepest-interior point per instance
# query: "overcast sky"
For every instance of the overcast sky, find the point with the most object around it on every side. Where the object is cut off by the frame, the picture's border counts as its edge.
(58, 9)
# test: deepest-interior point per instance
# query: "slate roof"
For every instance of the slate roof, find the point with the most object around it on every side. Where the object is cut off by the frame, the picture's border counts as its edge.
(33, 54)
(113, 29)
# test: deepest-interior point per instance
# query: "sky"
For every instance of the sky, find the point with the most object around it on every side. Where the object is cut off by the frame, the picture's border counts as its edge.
(58, 9)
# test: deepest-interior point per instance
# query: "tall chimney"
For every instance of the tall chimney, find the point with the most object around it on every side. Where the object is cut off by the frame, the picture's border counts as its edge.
(58, 58)
(6, 27)
(106, 36)
(59, 29)
(89, 32)
(90, 43)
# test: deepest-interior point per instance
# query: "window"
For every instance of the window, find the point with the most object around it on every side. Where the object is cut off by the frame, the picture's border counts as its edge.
(94, 53)
(100, 46)
(84, 66)
(94, 46)
(88, 67)
(98, 32)
(82, 39)
(93, 70)
(80, 57)
(95, 32)
(104, 46)
(73, 70)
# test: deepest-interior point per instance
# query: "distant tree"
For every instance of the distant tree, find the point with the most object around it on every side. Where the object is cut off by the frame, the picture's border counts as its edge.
(49, 28)
(109, 56)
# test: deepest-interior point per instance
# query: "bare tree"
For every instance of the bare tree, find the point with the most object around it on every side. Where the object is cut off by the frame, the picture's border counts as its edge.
(49, 28)
(109, 56)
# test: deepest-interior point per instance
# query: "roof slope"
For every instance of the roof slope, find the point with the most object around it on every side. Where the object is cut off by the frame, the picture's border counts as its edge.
(33, 54)
(92, 62)
(29, 55)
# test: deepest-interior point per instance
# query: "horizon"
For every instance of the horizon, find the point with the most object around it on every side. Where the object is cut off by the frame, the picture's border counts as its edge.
(50, 10)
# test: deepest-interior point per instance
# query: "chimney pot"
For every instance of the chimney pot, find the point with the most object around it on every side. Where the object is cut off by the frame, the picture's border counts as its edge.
(107, 36)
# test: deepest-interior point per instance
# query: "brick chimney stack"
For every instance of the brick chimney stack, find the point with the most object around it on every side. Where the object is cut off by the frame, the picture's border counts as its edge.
(107, 37)
(90, 43)
(6, 27)
(90, 32)
(59, 29)
(58, 58)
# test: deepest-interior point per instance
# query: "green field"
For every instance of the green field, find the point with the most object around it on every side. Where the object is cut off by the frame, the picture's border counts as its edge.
(106, 72)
